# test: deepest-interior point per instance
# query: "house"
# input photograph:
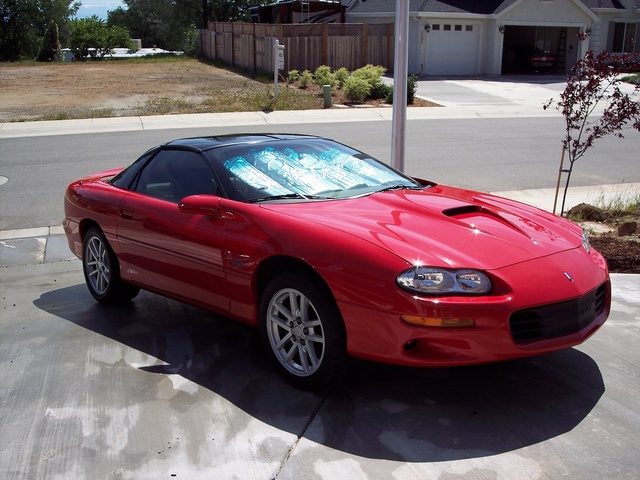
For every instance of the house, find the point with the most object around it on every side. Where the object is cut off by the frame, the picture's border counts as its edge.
(490, 37)
(299, 11)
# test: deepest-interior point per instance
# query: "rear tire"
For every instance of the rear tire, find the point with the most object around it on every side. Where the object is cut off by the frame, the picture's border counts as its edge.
(303, 331)
(102, 270)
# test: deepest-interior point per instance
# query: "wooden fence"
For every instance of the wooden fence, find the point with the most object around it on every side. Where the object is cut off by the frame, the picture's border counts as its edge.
(250, 46)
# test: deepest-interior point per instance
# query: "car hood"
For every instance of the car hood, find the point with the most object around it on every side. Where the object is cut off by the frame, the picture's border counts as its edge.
(444, 226)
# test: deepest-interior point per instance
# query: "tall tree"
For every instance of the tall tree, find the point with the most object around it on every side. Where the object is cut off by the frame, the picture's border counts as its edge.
(61, 12)
(198, 11)
(24, 22)
(18, 35)
(92, 37)
(231, 10)
(594, 105)
(165, 22)
(155, 22)
(51, 50)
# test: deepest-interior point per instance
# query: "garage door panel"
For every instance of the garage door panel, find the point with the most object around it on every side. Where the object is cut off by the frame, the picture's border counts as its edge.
(451, 51)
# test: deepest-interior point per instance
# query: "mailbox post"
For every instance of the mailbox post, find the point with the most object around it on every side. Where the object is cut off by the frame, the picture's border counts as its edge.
(278, 55)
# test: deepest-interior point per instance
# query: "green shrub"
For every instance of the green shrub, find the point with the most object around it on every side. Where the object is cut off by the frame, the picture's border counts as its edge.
(389, 98)
(412, 87)
(341, 75)
(323, 76)
(381, 90)
(293, 75)
(370, 73)
(191, 39)
(305, 79)
(356, 89)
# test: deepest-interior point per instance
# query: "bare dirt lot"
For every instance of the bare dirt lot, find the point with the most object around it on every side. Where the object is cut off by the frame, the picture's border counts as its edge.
(126, 88)
(116, 88)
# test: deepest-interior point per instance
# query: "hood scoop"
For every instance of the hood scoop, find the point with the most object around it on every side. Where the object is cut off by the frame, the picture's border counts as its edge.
(463, 210)
(481, 218)
(442, 226)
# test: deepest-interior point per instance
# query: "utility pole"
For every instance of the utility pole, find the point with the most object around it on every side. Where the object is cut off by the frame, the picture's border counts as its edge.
(400, 77)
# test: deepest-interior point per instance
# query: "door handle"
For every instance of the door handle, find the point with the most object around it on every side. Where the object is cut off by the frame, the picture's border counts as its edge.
(126, 213)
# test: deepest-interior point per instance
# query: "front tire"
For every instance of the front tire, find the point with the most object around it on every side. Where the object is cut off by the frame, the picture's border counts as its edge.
(303, 331)
(102, 271)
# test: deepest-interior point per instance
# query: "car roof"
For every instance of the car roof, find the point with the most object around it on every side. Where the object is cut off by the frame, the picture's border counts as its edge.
(208, 143)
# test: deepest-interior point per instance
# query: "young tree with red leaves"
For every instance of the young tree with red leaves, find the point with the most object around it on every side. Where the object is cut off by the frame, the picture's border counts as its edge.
(594, 83)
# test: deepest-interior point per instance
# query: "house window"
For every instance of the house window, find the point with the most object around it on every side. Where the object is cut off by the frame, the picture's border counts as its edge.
(624, 35)
(458, 28)
(447, 28)
(435, 26)
(468, 28)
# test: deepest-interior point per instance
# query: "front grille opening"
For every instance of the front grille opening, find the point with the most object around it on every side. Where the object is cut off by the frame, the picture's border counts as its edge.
(558, 319)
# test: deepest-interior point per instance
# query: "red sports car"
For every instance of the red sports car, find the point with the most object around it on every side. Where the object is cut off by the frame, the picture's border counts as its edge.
(332, 253)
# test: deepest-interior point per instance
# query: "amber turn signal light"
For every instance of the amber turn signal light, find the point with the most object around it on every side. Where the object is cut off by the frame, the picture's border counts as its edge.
(438, 322)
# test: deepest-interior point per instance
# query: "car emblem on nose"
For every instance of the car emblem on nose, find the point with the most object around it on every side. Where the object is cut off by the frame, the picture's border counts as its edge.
(569, 277)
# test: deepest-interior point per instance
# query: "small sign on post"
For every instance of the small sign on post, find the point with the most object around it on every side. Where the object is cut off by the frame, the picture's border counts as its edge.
(278, 55)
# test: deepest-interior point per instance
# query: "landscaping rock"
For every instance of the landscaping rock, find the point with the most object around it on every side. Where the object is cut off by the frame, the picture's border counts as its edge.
(587, 212)
(627, 228)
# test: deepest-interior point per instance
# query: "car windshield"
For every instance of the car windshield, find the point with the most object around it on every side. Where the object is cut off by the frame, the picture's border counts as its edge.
(307, 169)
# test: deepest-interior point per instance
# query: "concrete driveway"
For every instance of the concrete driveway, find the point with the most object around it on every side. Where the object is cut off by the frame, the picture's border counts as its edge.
(505, 91)
(159, 390)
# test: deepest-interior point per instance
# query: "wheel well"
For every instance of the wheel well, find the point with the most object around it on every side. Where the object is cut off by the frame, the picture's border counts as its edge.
(274, 266)
(86, 224)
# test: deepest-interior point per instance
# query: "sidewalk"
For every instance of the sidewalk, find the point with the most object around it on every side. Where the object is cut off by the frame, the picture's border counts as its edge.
(463, 97)
(212, 120)
(501, 97)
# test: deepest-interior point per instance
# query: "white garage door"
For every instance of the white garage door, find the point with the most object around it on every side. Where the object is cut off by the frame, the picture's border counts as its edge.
(453, 49)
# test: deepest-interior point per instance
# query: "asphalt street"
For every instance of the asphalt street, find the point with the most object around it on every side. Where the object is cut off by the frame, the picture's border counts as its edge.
(500, 141)
(159, 390)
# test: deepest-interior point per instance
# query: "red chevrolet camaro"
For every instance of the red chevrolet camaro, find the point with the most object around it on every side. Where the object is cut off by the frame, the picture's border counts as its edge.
(332, 253)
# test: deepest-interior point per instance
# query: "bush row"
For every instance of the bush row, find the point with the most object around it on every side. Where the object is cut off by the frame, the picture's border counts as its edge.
(356, 86)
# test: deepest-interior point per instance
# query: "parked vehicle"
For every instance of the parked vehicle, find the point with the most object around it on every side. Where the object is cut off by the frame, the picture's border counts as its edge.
(527, 58)
(332, 253)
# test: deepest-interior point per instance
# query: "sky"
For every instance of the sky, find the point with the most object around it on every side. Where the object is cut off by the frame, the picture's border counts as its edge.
(97, 7)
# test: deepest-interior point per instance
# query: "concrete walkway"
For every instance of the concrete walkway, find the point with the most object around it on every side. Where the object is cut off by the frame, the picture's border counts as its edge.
(461, 98)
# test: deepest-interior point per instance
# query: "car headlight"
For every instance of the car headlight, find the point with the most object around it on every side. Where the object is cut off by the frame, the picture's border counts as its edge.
(440, 281)
(585, 242)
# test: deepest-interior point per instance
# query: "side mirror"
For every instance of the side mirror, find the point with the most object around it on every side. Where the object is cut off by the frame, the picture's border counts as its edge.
(201, 205)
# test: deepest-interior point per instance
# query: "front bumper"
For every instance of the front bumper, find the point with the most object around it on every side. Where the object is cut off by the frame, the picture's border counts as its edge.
(535, 308)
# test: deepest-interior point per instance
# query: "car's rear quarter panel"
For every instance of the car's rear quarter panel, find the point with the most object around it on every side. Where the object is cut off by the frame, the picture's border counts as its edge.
(91, 202)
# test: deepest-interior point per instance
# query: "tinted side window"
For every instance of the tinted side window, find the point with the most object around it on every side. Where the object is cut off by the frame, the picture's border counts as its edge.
(126, 177)
(174, 174)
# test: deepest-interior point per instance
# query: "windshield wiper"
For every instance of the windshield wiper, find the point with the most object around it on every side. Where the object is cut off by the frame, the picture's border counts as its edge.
(285, 197)
(401, 187)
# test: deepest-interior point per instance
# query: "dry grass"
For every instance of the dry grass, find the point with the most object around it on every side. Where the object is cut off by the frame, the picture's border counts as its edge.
(159, 86)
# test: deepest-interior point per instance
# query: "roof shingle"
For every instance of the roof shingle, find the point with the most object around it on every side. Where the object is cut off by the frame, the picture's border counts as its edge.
(477, 7)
